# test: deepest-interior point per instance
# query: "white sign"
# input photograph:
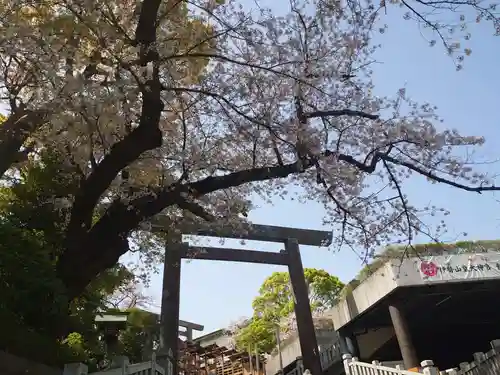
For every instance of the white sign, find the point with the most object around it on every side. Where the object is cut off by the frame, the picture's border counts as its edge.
(460, 266)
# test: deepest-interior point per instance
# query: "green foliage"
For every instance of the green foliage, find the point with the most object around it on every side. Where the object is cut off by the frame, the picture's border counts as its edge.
(33, 308)
(33, 202)
(275, 299)
(19, 339)
(258, 335)
(27, 279)
(141, 323)
(275, 302)
(33, 305)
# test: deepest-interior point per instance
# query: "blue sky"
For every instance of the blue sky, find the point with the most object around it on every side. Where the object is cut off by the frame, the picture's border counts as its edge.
(216, 293)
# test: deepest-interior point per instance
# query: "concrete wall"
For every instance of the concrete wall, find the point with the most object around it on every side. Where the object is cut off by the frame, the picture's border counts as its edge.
(13, 365)
(289, 352)
(372, 340)
(413, 272)
(290, 349)
(382, 282)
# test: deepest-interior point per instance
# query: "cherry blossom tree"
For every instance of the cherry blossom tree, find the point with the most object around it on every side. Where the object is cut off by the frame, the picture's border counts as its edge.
(190, 108)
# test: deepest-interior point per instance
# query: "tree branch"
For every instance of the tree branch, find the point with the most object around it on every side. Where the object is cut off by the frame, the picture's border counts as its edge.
(341, 112)
(432, 176)
(147, 136)
(107, 240)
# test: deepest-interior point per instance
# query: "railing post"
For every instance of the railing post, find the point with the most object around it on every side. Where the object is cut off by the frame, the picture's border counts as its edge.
(347, 359)
(464, 366)
(495, 345)
(75, 369)
(428, 368)
(478, 358)
(299, 364)
(153, 363)
(452, 371)
(125, 367)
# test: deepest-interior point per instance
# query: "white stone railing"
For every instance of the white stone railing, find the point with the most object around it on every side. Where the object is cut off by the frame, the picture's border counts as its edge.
(143, 368)
(354, 367)
(328, 356)
(483, 364)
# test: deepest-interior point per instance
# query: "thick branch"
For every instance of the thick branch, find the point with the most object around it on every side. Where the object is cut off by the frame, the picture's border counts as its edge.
(195, 209)
(146, 136)
(13, 134)
(107, 240)
(100, 250)
(145, 34)
(341, 112)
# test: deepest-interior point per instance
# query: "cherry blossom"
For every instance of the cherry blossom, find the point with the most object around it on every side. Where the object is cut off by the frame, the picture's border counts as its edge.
(189, 109)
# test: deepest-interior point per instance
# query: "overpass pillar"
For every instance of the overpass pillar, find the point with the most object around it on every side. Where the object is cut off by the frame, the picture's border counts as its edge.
(352, 345)
(403, 335)
(348, 344)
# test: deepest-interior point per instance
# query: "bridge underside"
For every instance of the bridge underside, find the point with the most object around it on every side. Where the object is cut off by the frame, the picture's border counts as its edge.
(447, 322)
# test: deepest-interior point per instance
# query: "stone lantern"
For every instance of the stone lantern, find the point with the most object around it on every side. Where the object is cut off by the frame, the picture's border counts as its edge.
(110, 325)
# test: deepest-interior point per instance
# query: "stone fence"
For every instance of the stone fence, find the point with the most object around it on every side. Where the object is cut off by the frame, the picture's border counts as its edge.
(14, 365)
(483, 364)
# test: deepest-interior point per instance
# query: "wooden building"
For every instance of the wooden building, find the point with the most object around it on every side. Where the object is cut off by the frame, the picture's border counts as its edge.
(218, 360)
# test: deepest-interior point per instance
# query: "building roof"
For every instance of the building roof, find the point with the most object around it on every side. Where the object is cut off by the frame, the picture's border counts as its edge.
(212, 335)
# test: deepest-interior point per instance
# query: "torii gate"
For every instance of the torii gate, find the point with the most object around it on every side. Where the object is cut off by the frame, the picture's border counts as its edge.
(290, 256)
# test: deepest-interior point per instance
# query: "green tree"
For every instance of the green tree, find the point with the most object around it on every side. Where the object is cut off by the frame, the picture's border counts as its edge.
(275, 303)
(35, 313)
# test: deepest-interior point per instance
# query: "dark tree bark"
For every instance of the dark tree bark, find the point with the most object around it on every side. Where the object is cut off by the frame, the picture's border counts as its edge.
(101, 246)
(92, 250)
